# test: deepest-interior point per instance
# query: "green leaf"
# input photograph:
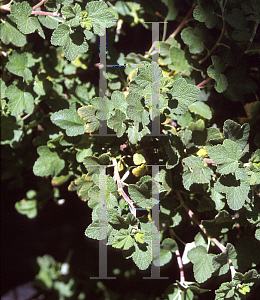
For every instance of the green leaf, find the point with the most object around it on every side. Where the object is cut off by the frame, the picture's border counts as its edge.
(87, 113)
(42, 84)
(202, 263)
(142, 195)
(167, 247)
(119, 101)
(135, 135)
(98, 230)
(236, 188)
(139, 236)
(8, 128)
(178, 61)
(19, 101)
(201, 109)
(147, 80)
(239, 83)
(69, 120)
(221, 224)
(49, 22)
(184, 93)
(226, 156)
(18, 64)
(115, 122)
(214, 71)
(10, 34)
(21, 12)
(123, 240)
(83, 184)
(73, 42)
(71, 12)
(249, 277)
(48, 163)
(226, 291)
(27, 207)
(100, 16)
(237, 20)
(142, 256)
(251, 8)
(197, 173)
(237, 133)
(204, 12)
(220, 262)
(194, 38)
(65, 289)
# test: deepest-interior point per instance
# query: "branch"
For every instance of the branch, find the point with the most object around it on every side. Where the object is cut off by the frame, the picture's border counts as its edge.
(204, 82)
(179, 260)
(43, 13)
(178, 29)
(39, 4)
(217, 243)
(127, 199)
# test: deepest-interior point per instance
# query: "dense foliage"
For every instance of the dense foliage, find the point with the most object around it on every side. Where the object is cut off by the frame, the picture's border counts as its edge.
(176, 130)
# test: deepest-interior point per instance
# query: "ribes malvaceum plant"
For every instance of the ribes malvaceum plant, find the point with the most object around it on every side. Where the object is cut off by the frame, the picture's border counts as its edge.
(176, 128)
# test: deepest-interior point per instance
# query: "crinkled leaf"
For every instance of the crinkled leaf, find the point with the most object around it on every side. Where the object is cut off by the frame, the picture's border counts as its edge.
(184, 93)
(69, 120)
(236, 188)
(237, 20)
(49, 163)
(178, 61)
(226, 156)
(214, 71)
(220, 262)
(119, 101)
(71, 12)
(202, 263)
(98, 230)
(87, 113)
(197, 173)
(73, 42)
(237, 133)
(19, 100)
(42, 84)
(116, 122)
(194, 38)
(18, 65)
(10, 34)
(135, 135)
(204, 12)
(239, 83)
(221, 224)
(21, 12)
(226, 291)
(27, 207)
(49, 22)
(142, 195)
(167, 247)
(123, 240)
(139, 236)
(100, 16)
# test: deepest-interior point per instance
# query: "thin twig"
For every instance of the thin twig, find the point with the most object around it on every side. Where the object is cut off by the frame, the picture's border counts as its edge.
(204, 82)
(178, 29)
(127, 199)
(43, 13)
(39, 4)
(178, 255)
